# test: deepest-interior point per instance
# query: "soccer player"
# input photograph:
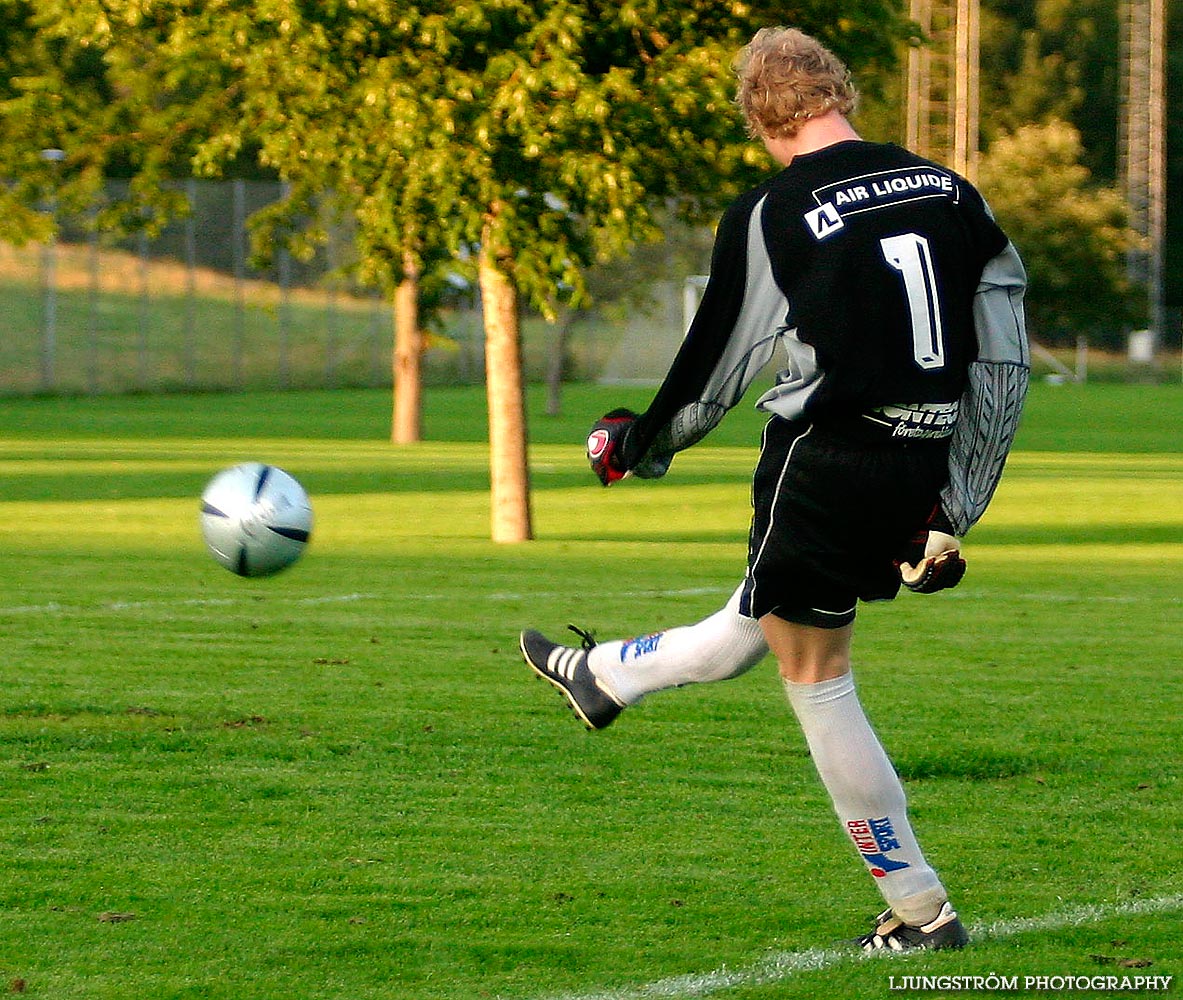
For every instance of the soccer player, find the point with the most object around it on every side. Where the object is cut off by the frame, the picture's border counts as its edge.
(898, 301)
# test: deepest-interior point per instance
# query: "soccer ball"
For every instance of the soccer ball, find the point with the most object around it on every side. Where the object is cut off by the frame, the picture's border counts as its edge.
(255, 519)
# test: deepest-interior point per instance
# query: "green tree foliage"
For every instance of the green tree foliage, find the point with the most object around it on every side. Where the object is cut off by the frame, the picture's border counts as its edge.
(126, 89)
(1054, 60)
(1060, 59)
(570, 117)
(50, 91)
(532, 136)
(1072, 233)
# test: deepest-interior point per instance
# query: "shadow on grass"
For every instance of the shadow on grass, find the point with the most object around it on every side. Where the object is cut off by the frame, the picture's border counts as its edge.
(972, 763)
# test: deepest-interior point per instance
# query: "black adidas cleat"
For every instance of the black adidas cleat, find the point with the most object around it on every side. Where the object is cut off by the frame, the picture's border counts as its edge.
(566, 668)
(892, 934)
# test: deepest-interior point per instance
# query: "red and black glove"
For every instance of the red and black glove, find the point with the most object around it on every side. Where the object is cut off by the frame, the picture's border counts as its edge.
(932, 560)
(605, 442)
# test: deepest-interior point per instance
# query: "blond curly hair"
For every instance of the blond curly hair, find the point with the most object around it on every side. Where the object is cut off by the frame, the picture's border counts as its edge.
(785, 78)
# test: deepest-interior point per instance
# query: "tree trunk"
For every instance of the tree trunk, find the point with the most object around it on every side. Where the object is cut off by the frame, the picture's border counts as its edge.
(558, 364)
(508, 463)
(407, 425)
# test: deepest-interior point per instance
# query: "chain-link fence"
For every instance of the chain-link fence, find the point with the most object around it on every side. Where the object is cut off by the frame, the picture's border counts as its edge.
(185, 309)
(188, 310)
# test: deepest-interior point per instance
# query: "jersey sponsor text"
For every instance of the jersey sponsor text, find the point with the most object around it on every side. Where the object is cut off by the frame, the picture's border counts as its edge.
(874, 191)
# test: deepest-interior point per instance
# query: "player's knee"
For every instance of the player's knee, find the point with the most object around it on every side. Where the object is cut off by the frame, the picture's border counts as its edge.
(811, 669)
(807, 654)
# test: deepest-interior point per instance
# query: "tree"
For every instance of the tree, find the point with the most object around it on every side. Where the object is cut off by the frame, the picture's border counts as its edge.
(1054, 60)
(50, 91)
(1072, 234)
(1059, 59)
(579, 119)
(528, 137)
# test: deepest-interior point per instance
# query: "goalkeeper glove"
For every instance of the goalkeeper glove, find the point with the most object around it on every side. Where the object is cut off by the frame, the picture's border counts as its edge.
(932, 562)
(604, 444)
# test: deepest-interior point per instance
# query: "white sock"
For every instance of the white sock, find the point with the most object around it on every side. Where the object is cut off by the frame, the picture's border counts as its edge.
(719, 647)
(867, 795)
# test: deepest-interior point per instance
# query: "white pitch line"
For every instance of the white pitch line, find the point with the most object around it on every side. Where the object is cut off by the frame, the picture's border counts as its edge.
(54, 608)
(780, 966)
(970, 595)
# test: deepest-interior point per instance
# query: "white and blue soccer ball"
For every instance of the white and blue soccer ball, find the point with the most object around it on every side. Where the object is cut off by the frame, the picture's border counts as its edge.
(255, 518)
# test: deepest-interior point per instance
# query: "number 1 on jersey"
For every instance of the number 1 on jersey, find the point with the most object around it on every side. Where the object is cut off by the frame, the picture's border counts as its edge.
(909, 254)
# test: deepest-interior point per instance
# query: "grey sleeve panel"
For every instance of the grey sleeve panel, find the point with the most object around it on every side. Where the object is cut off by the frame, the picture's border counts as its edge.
(750, 347)
(998, 310)
(993, 400)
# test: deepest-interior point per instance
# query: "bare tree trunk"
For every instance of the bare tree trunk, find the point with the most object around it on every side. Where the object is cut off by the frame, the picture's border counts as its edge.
(407, 425)
(508, 463)
(558, 363)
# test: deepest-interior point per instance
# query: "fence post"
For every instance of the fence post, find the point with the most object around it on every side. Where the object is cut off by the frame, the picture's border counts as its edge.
(1082, 359)
(332, 329)
(54, 157)
(189, 350)
(285, 281)
(50, 319)
(378, 327)
(238, 235)
(145, 301)
(92, 312)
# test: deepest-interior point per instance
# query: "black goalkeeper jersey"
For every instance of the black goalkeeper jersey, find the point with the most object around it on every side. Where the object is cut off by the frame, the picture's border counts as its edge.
(866, 264)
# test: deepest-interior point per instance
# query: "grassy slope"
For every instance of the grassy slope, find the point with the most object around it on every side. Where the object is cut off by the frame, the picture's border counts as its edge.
(340, 782)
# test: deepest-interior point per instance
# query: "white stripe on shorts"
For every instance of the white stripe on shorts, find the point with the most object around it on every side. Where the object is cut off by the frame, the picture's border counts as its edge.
(772, 511)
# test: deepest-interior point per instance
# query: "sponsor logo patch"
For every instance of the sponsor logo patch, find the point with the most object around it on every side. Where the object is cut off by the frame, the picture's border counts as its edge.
(636, 648)
(823, 221)
(838, 202)
(874, 838)
(917, 420)
(597, 441)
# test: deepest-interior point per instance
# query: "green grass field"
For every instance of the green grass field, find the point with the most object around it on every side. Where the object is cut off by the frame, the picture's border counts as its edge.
(342, 783)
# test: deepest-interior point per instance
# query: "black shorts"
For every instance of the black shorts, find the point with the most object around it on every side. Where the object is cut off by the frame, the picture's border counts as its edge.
(830, 516)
